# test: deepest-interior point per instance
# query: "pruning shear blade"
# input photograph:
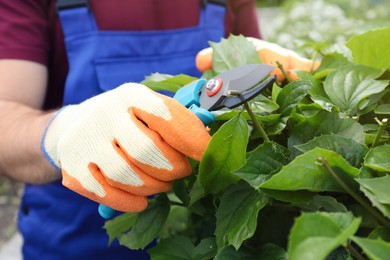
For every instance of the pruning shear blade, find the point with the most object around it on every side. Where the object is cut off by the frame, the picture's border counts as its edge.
(247, 80)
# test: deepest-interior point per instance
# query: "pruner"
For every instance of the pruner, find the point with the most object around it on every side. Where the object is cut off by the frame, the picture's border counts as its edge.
(229, 89)
(203, 96)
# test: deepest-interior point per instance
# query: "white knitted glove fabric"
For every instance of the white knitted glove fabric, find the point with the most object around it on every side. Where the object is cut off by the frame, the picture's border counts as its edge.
(102, 146)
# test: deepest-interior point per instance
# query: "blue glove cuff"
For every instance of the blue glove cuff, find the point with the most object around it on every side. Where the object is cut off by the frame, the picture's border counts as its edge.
(42, 145)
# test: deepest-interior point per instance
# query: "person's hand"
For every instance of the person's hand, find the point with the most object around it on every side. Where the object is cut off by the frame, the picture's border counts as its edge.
(123, 145)
(269, 53)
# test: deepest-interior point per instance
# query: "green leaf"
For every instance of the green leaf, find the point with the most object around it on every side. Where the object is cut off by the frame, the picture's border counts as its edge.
(380, 233)
(177, 221)
(325, 203)
(206, 249)
(379, 187)
(233, 52)
(316, 91)
(119, 225)
(271, 118)
(304, 173)
(148, 224)
(383, 109)
(318, 95)
(384, 208)
(197, 192)
(371, 103)
(227, 115)
(332, 61)
(275, 91)
(378, 158)
(374, 249)
(291, 95)
(272, 252)
(349, 85)
(230, 253)
(322, 123)
(308, 109)
(294, 197)
(264, 160)
(180, 190)
(275, 129)
(262, 105)
(310, 240)
(225, 153)
(174, 247)
(157, 81)
(351, 150)
(371, 48)
(237, 214)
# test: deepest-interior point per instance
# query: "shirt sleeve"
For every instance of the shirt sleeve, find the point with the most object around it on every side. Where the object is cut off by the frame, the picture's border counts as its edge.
(24, 30)
(241, 18)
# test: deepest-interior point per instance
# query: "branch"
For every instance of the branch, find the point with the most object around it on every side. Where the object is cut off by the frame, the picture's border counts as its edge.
(378, 216)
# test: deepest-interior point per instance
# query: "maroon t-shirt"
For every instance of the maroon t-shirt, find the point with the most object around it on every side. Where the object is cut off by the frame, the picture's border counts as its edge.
(30, 29)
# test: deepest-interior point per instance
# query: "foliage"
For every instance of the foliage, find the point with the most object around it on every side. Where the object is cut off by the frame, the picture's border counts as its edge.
(318, 189)
(325, 23)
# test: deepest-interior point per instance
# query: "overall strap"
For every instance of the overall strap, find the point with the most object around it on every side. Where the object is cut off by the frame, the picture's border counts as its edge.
(76, 12)
(212, 13)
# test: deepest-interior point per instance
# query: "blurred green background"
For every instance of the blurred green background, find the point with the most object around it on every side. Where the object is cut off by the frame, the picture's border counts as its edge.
(319, 24)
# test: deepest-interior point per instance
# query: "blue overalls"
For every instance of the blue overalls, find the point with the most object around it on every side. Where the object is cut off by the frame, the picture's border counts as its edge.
(57, 223)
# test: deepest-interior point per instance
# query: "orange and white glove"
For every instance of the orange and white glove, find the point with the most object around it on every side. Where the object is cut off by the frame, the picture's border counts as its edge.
(121, 146)
(269, 53)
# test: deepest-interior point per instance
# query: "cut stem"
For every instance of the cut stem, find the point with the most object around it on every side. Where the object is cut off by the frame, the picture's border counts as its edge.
(280, 66)
(382, 126)
(378, 216)
(256, 122)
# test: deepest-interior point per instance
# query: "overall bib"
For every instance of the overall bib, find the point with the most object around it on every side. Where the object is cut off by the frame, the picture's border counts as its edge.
(57, 223)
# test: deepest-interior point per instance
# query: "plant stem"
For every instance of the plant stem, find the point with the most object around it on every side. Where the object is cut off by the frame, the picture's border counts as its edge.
(356, 254)
(382, 126)
(280, 66)
(378, 216)
(256, 122)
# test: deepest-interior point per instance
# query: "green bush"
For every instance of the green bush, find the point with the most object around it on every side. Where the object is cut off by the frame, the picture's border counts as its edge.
(319, 188)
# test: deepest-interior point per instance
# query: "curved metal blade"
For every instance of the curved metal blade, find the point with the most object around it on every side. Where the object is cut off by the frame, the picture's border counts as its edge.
(235, 101)
(240, 78)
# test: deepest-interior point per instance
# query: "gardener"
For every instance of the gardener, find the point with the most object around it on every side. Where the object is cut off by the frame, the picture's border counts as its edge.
(102, 145)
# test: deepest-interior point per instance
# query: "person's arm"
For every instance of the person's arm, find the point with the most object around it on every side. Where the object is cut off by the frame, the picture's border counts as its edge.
(22, 89)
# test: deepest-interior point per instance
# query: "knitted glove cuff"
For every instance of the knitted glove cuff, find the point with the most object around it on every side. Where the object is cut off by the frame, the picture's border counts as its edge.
(43, 146)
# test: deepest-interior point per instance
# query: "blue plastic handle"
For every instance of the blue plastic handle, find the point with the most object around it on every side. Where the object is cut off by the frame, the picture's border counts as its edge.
(105, 211)
(188, 96)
